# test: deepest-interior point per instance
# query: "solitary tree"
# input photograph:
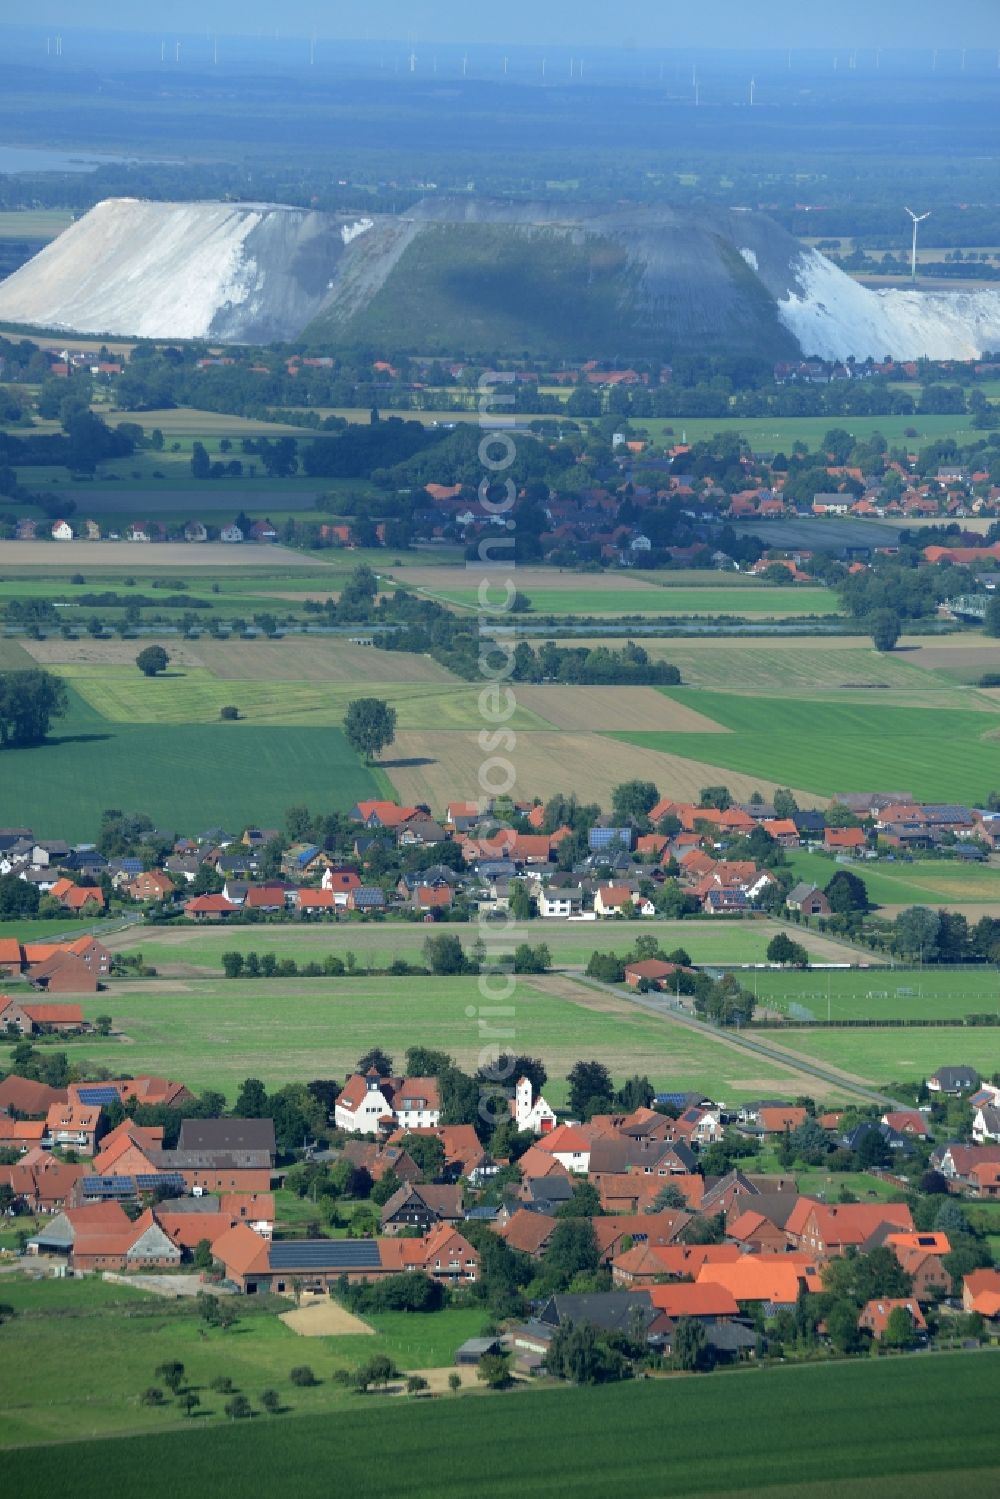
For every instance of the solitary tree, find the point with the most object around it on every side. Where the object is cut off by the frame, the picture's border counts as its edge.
(271, 1401)
(885, 628)
(370, 725)
(238, 1408)
(781, 949)
(188, 1401)
(454, 1382)
(152, 660)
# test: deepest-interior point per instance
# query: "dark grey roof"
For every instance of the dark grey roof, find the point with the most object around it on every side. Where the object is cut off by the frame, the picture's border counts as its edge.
(227, 1134)
(210, 1160)
(325, 1254)
(614, 1311)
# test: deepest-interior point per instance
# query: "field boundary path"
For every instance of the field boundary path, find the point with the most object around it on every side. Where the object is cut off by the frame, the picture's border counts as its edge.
(666, 1010)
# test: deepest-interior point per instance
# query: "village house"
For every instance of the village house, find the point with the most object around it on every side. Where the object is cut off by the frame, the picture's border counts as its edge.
(368, 1103)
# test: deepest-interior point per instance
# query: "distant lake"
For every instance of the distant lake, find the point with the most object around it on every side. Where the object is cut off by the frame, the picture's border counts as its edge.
(37, 159)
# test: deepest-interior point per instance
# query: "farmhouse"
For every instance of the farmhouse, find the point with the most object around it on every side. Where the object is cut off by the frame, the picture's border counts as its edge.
(254, 1265)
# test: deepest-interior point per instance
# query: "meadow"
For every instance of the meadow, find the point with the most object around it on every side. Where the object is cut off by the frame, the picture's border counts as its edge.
(898, 1055)
(806, 1432)
(188, 696)
(216, 1034)
(197, 950)
(880, 994)
(918, 882)
(827, 747)
(196, 776)
(59, 1325)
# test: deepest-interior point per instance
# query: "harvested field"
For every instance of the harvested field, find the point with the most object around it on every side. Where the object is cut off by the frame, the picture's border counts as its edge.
(123, 555)
(86, 652)
(324, 1318)
(842, 669)
(300, 659)
(581, 708)
(441, 766)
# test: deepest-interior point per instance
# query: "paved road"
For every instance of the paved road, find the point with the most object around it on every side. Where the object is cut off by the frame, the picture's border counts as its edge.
(666, 1008)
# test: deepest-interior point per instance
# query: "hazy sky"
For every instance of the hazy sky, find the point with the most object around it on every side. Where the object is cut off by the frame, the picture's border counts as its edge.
(678, 23)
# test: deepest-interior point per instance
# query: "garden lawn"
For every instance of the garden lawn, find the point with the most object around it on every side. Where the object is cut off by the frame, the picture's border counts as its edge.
(807, 1432)
(213, 1034)
(941, 755)
(189, 778)
(885, 993)
(189, 949)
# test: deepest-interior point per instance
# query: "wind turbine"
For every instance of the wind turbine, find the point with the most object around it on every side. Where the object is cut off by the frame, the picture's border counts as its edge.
(918, 218)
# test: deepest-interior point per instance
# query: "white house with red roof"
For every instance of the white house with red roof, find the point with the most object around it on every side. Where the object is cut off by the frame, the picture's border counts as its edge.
(369, 1103)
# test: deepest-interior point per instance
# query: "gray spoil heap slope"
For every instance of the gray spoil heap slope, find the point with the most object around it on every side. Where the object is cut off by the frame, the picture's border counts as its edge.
(472, 276)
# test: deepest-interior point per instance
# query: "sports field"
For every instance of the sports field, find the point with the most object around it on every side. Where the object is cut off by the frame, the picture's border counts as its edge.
(196, 950)
(215, 1034)
(797, 1433)
(192, 777)
(880, 994)
(950, 755)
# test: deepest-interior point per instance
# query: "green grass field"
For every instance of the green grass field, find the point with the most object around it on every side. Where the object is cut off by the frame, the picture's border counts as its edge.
(190, 950)
(34, 223)
(762, 602)
(186, 696)
(827, 747)
(889, 994)
(922, 882)
(62, 1324)
(193, 777)
(215, 1034)
(802, 1433)
(887, 1056)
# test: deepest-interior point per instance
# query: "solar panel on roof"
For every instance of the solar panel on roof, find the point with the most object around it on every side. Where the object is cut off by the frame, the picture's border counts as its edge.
(98, 1095)
(325, 1254)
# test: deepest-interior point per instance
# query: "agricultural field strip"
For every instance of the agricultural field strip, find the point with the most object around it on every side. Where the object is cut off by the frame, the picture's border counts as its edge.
(195, 777)
(442, 766)
(769, 602)
(935, 1423)
(834, 747)
(122, 695)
